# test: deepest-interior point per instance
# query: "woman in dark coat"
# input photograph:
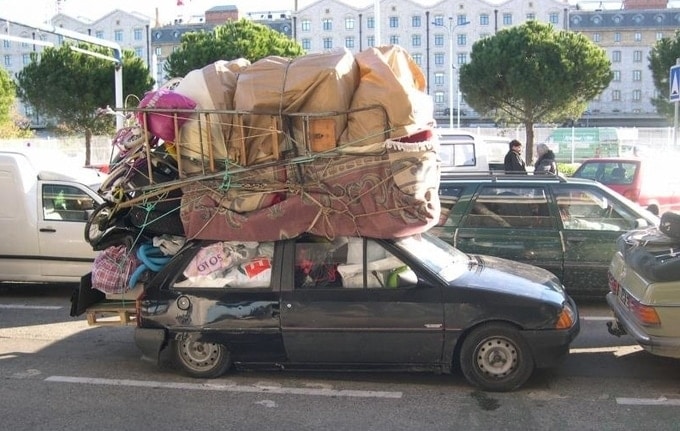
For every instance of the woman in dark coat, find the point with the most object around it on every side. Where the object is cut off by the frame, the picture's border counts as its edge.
(546, 161)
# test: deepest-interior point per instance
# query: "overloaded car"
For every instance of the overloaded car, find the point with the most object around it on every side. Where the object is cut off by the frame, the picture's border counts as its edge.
(644, 279)
(414, 303)
(568, 226)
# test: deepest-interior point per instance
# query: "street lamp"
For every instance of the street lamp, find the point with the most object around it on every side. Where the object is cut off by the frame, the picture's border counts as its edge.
(451, 28)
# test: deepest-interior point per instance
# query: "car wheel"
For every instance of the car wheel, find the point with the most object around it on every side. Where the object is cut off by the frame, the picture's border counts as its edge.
(201, 359)
(495, 357)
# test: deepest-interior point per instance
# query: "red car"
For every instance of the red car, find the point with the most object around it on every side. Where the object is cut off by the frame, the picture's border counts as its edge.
(653, 183)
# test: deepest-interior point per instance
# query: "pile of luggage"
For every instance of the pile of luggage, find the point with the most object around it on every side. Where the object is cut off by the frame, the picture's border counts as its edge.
(333, 144)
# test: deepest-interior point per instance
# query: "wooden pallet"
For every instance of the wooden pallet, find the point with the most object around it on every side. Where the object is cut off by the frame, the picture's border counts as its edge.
(112, 313)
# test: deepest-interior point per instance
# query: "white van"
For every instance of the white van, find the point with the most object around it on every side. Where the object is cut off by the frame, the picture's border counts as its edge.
(45, 205)
(461, 151)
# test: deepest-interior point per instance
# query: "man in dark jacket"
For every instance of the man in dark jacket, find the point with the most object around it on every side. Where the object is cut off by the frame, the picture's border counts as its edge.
(514, 164)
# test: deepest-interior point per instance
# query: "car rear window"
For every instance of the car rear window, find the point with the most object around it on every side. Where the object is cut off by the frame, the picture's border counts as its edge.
(608, 172)
(504, 207)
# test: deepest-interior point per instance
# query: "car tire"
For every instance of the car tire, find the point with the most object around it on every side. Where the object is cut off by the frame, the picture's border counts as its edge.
(201, 359)
(495, 357)
(98, 222)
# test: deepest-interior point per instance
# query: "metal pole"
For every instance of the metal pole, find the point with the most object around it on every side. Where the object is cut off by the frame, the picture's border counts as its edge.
(675, 117)
(451, 27)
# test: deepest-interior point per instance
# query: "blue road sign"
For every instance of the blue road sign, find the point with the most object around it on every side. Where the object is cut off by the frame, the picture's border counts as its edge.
(674, 80)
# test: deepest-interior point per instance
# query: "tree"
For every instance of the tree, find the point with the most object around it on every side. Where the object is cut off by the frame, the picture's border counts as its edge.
(662, 56)
(532, 73)
(239, 39)
(70, 86)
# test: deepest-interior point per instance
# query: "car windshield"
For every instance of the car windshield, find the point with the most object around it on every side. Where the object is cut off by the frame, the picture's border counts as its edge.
(440, 257)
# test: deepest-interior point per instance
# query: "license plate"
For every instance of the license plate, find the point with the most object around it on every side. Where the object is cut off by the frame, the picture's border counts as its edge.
(624, 297)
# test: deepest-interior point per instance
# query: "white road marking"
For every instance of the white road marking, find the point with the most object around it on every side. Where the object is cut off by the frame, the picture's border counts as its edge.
(602, 318)
(31, 307)
(226, 387)
(661, 401)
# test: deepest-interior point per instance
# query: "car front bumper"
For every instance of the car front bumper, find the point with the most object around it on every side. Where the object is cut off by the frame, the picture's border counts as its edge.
(550, 348)
(661, 346)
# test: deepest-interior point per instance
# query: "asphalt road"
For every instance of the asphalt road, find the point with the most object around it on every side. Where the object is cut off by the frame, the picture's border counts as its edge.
(58, 373)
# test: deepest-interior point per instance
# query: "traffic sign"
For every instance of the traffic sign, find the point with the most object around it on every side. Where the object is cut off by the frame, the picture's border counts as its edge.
(674, 80)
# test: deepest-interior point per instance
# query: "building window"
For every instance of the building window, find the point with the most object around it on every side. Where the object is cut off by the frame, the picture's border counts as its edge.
(616, 95)
(418, 59)
(306, 25)
(438, 20)
(158, 51)
(461, 58)
(596, 37)
(8, 60)
(439, 78)
(138, 34)
(394, 40)
(370, 22)
(349, 42)
(99, 34)
(370, 41)
(6, 44)
(554, 18)
(438, 40)
(461, 39)
(617, 75)
(327, 43)
(616, 56)
(349, 23)
(415, 21)
(659, 35)
(484, 19)
(637, 75)
(439, 59)
(118, 35)
(637, 56)
(415, 40)
(306, 44)
(139, 52)
(26, 59)
(394, 22)
(638, 37)
(461, 19)
(507, 19)
(327, 24)
(637, 95)
(617, 37)
(531, 17)
(439, 97)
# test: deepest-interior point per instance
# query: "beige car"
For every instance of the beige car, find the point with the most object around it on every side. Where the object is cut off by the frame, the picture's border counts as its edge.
(644, 283)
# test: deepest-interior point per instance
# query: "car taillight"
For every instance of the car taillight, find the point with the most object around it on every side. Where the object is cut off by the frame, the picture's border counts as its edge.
(566, 318)
(644, 313)
(613, 284)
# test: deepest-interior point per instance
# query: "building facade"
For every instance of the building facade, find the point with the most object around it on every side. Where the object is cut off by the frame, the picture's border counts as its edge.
(440, 36)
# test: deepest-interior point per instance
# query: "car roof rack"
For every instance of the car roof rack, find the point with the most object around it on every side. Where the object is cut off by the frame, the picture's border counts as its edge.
(498, 176)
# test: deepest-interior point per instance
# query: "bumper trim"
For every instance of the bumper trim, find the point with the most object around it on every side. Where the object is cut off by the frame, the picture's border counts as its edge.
(150, 342)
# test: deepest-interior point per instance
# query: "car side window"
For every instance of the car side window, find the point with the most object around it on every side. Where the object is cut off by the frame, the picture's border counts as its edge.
(348, 262)
(230, 264)
(592, 209)
(62, 202)
(508, 207)
(448, 197)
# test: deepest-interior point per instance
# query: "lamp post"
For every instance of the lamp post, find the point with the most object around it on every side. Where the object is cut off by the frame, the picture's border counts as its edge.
(451, 28)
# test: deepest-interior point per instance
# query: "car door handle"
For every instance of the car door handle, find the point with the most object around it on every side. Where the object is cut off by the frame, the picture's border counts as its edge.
(48, 229)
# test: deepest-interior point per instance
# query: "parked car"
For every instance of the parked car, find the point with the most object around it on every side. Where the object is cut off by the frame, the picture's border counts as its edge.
(568, 226)
(644, 279)
(46, 204)
(460, 151)
(414, 303)
(653, 183)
